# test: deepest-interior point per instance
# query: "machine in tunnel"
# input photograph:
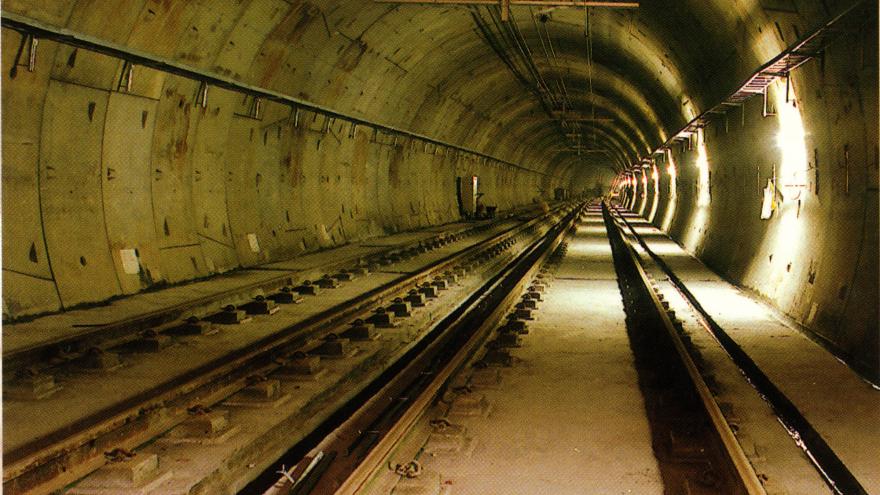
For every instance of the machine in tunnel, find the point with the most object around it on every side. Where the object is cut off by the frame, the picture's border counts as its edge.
(149, 147)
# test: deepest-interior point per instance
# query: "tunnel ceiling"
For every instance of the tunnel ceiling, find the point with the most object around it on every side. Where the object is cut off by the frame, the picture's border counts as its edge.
(456, 73)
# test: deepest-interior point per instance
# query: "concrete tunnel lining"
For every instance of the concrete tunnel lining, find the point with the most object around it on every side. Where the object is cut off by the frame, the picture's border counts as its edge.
(424, 70)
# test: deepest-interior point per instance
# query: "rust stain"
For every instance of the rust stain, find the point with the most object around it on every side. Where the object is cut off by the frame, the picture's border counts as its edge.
(180, 147)
(304, 15)
(360, 155)
(287, 34)
(351, 55)
(172, 131)
(297, 146)
(394, 164)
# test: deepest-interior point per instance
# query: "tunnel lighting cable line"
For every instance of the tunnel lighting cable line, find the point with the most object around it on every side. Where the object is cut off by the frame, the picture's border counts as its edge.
(505, 40)
(540, 37)
(553, 65)
(509, 37)
(31, 27)
(839, 478)
(491, 40)
(559, 99)
(512, 31)
(543, 91)
(588, 31)
(508, 41)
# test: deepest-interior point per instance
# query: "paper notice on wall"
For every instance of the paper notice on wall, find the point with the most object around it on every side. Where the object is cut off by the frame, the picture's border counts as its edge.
(130, 264)
(769, 197)
(252, 240)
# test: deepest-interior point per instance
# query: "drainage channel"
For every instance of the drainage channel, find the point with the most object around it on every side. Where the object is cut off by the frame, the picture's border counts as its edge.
(361, 435)
(839, 478)
(694, 446)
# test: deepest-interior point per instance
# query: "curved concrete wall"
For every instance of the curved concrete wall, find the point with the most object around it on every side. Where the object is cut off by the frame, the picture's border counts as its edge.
(816, 258)
(90, 170)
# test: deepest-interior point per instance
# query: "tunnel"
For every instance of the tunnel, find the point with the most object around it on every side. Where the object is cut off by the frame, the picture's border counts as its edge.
(440, 246)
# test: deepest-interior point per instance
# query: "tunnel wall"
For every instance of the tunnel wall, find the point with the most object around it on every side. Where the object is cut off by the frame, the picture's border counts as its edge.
(816, 258)
(93, 173)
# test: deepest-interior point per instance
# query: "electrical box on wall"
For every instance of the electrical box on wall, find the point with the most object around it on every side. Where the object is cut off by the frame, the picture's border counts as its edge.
(469, 192)
(560, 194)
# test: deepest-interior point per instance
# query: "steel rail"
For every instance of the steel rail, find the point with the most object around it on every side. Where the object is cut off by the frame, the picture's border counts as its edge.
(734, 450)
(38, 29)
(477, 316)
(41, 465)
(832, 469)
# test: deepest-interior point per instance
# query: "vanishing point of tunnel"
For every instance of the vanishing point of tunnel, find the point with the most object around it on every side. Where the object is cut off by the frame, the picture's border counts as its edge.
(422, 247)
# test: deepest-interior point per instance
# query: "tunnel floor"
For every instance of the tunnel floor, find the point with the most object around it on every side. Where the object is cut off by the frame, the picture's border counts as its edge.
(568, 414)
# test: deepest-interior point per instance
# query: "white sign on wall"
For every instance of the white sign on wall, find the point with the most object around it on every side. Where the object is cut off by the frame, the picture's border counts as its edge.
(252, 240)
(130, 263)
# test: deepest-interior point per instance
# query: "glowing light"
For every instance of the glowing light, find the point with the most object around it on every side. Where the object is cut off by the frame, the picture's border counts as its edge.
(644, 195)
(703, 194)
(655, 202)
(787, 237)
(697, 225)
(672, 202)
(670, 169)
(791, 141)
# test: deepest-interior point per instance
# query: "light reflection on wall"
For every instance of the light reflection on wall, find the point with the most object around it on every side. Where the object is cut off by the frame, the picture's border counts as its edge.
(786, 237)
(634, 184)
(703, 194)
(672, 201)
(697, 228)
(655, 178)
(644, 196)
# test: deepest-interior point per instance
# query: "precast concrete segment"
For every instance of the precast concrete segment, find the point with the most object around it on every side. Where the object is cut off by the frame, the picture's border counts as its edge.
(568, 417)
(841, 406)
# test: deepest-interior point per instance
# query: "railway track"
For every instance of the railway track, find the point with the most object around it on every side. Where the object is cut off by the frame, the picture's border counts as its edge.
(337, 463)
(326, 351)
(404, 420)
(351, 413)
(826, 462)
